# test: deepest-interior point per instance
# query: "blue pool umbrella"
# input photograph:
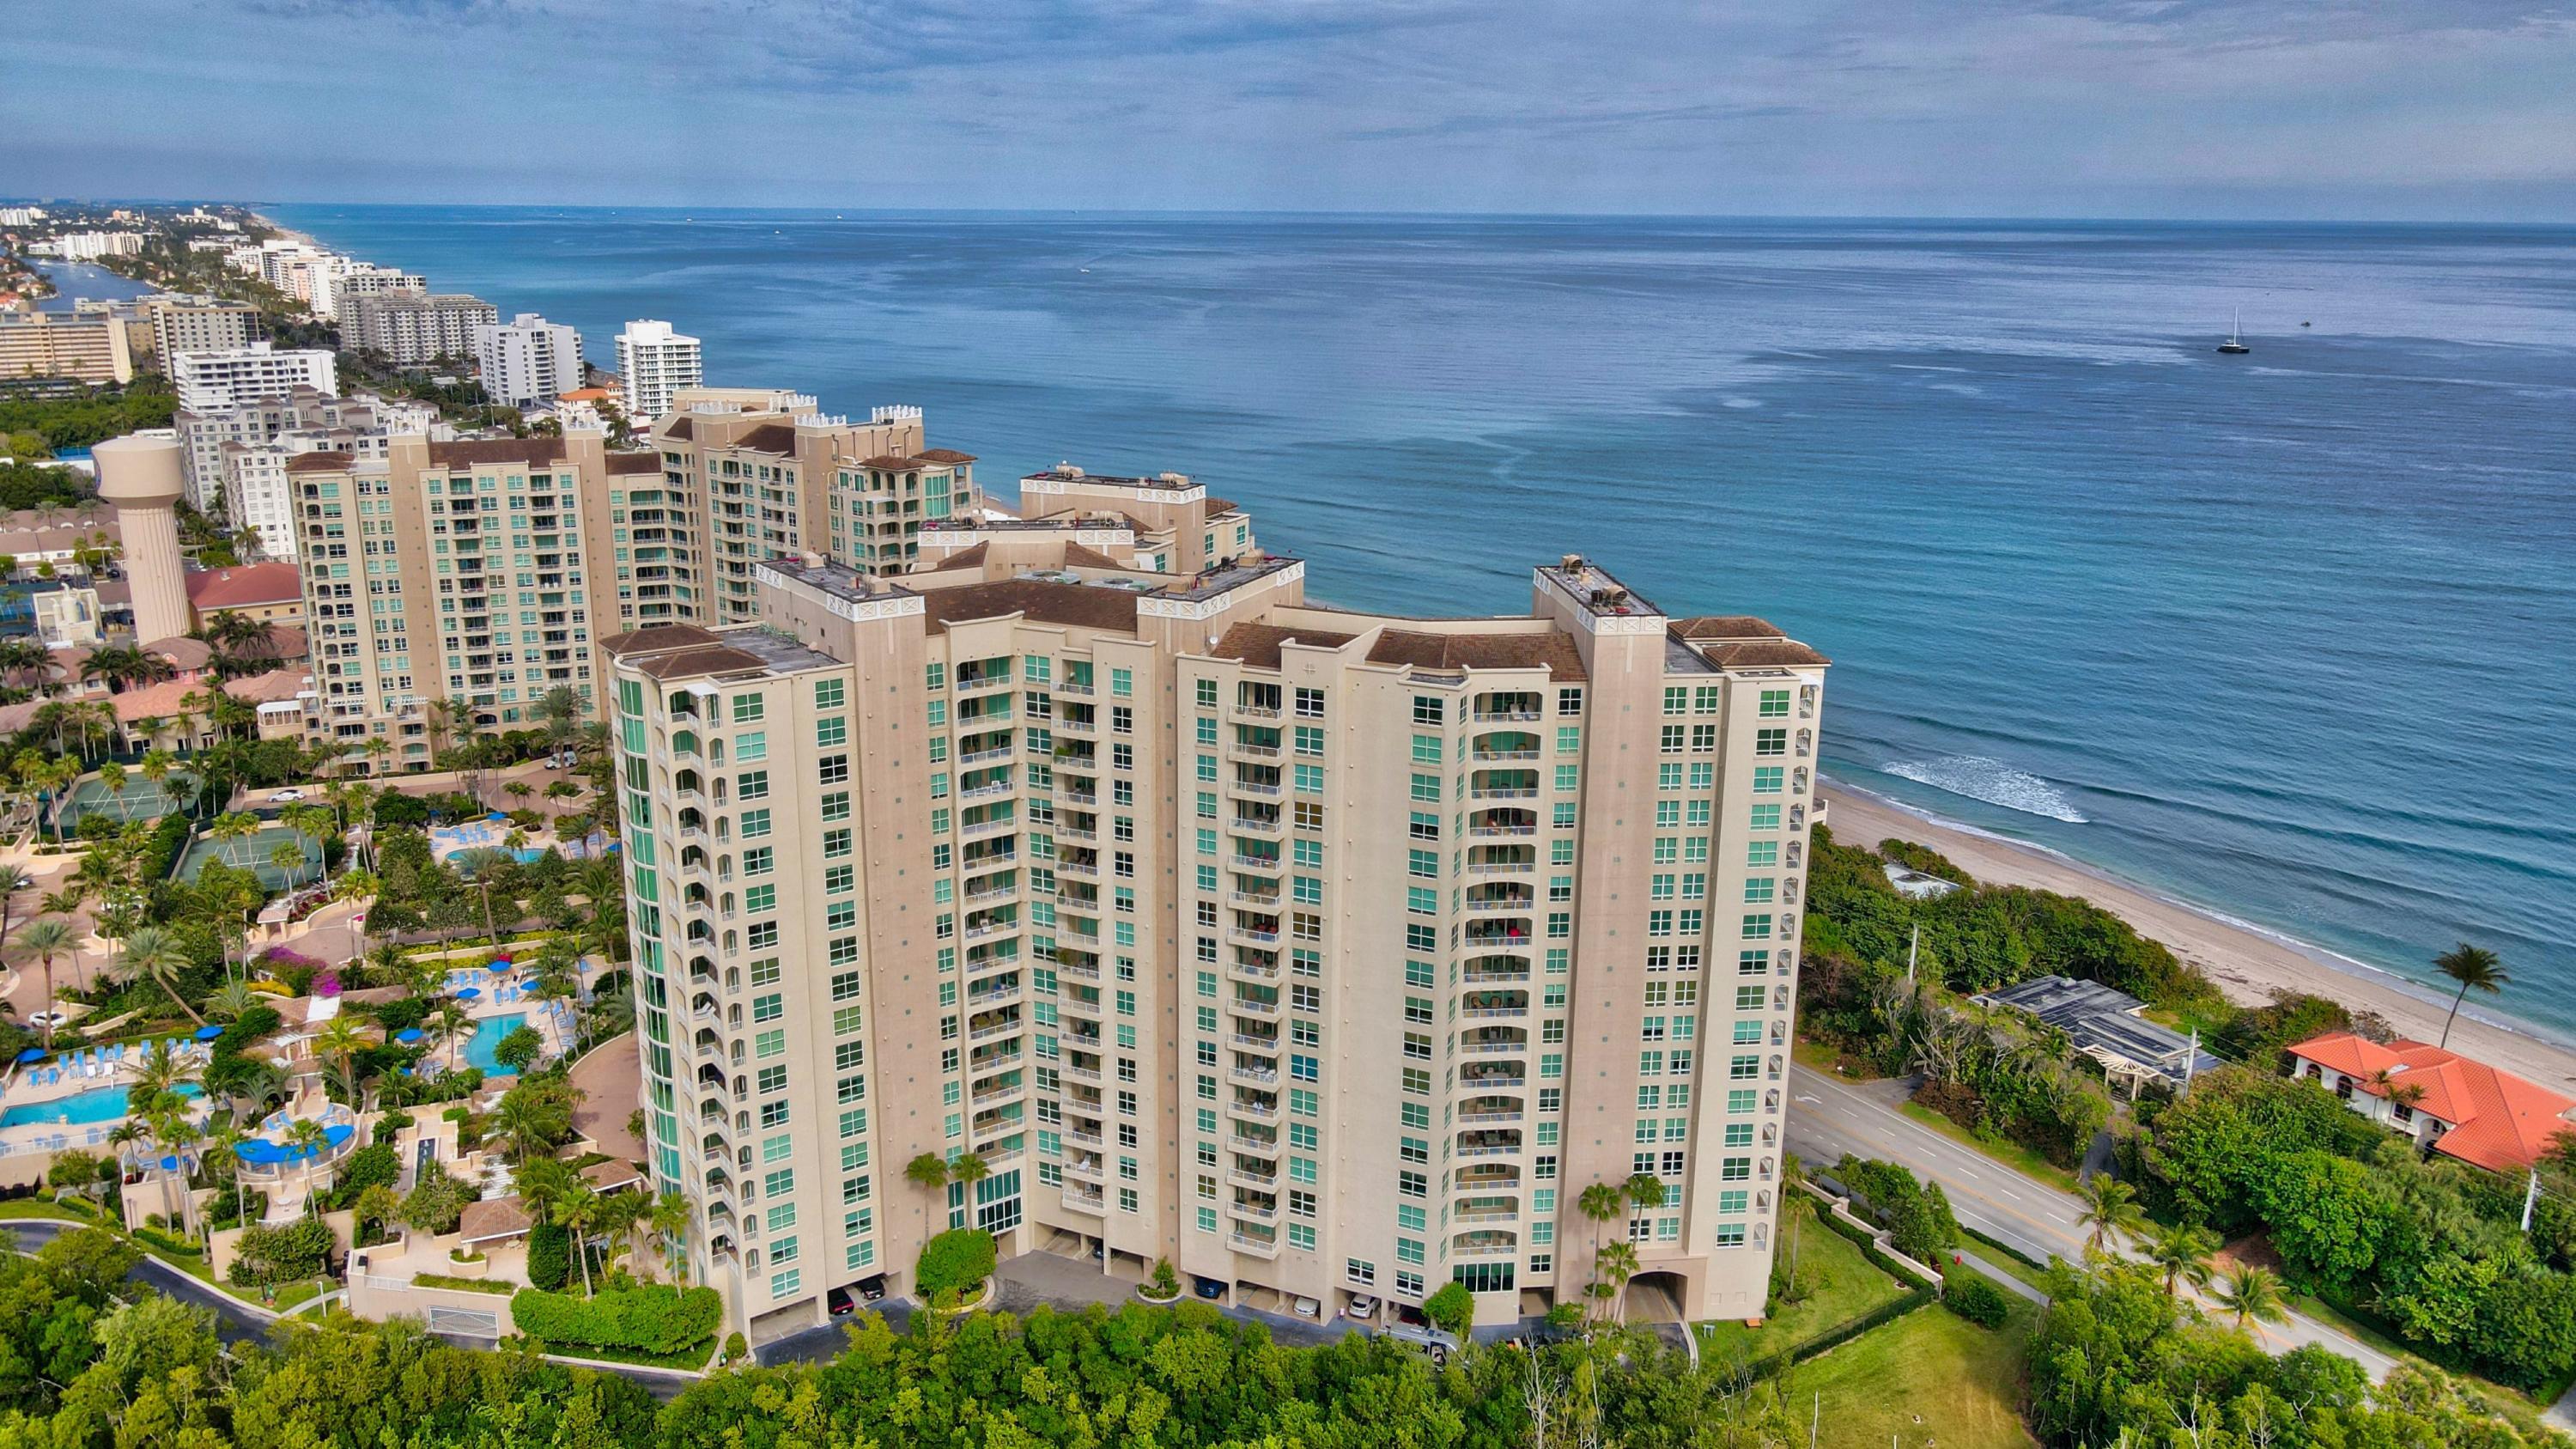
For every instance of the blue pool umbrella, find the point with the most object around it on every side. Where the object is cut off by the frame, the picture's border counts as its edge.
(209, 1032)
(469, 993)
(408, 1035)
(497, 818)
(31, 1054)
(169, 1164)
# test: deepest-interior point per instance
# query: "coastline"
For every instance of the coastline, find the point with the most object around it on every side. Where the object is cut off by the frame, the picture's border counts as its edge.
(2248, 963)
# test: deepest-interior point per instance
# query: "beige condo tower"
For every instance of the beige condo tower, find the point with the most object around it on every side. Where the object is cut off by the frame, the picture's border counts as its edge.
(1328, 955)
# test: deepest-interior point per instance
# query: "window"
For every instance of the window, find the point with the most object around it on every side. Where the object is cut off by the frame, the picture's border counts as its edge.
(1361, 1271)
(1765, 817)
(1426, 788)
(1775, 704)
(1768, 780)
(1122, 682)
(832, 730)
(1310, 704)
(1771, 742)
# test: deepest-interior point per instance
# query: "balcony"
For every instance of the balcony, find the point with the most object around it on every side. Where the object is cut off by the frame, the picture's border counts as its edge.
(1254, 1076)
(1257, 1247)
(1243, 1211)
(1084, 1199)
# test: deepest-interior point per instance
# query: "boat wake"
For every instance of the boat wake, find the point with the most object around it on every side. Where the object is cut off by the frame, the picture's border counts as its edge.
(1979, 777)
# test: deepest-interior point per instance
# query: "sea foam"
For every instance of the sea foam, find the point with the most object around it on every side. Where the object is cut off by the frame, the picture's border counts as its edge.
(1979, 777)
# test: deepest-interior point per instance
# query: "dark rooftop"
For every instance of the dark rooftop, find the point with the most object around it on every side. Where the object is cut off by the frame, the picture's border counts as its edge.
(2103, 1023)
(469, 453)
(1259, 644)
(1551, 650)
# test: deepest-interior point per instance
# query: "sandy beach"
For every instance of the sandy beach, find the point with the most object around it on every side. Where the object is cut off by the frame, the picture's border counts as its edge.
(2248, 964)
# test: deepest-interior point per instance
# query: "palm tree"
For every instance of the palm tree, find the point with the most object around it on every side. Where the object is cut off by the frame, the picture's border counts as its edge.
(1618, 1264)
(2254, 1293)
(154, 951)
(967, 1171)
(480, 863)
(288, 857)
(341, 1037)
(2110, 1210)
(120, 665)
(48, 937)
(526, 1123)
(670, 1218)
(2470, 966)
(1602, 1203)
(452, 1021)
(13, 879)
(929, 1172)
(578, 1210)
(307, 1137)
(226, 1144)
(2183, 1253)
(1644, 1190)
(230, 1000)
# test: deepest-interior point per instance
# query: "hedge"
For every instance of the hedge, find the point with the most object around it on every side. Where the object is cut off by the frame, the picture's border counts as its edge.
(655, 1318)
(549, 1255)
(1839, 1335)
(1869, 1247)
(1974, 1297)
(470, 1285)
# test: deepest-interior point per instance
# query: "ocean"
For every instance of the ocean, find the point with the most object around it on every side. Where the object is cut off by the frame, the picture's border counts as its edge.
(2287, 636)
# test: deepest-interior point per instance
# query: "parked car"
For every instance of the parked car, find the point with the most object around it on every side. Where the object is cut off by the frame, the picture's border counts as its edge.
(839, 1303)
(1363, 1308)
(1209, 1288)
(1306, 1308)
(284, 797)
(1411, 1328)
(872, 1289)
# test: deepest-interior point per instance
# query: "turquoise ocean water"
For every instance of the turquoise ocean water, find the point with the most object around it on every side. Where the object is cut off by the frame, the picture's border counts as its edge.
(2288, 636)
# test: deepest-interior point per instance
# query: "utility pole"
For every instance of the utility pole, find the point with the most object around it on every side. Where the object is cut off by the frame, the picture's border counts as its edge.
(1815, 1415)
(2530, 1199)
(1912, 946)
(2191, 1063)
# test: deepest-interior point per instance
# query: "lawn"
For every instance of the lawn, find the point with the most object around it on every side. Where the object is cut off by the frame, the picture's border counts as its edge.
(2010, 1154)
(1928, 1377)
(2003, 1260)
(1847, 1285)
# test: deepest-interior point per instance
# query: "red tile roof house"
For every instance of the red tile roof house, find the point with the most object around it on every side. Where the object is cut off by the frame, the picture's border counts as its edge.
(2465, 1109)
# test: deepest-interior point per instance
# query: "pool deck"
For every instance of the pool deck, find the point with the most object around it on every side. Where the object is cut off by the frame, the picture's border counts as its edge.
(23, 1091)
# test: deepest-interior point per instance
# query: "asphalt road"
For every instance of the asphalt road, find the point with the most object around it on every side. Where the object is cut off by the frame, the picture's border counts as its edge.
(1828, 1118)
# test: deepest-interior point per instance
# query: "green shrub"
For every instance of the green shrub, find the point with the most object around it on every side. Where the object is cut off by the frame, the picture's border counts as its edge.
(1451, 1309)
(1974, 1297)
(168, 1244)
(1165, 1283)
(375, 1165)
(549, 1256)
(470, 1285)
(520, 1048)
(656, 1318)
(269, 1256)
(957, 1259)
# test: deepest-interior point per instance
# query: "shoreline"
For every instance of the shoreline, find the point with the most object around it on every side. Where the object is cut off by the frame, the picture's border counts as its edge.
(2248, 962)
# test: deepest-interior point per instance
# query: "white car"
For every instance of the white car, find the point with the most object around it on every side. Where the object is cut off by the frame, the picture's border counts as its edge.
(1306, 1308)
(284, 797)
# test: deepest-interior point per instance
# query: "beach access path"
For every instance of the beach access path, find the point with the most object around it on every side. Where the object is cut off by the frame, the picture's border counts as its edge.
(2249, 965)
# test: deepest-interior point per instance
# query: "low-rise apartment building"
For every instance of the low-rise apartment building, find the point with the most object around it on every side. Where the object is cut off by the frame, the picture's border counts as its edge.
(412, 329)
(1329, 955)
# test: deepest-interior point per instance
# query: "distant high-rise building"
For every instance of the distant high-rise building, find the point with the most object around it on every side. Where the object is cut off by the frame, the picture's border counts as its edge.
(528, 361)
(653, 364)
(97, 347)
(198, 324)
(410, 329)
(208, 381)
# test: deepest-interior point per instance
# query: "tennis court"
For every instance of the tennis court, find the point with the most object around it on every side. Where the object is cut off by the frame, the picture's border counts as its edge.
(138, 799)
(256, 853)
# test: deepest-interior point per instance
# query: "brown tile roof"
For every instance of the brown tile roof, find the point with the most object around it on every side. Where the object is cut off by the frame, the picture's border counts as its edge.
(895, 462)
(1761, 654)
(1551, 650)
(1081, 605)
(260, 583)
(945, 455)
(1079, 556)
(769, 438)
(965, 558)
(1258, 644)
(611, 1175)
(320, 462)
(715, 659)
(183, 652)
(474, 452)
(1217, 506)
(1726, 626)
(493, 1218)
(622, 464)
(654, 637)
(682, 427)
(2498, 1121)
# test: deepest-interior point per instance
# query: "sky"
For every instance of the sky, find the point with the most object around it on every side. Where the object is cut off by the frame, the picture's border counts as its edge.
(2397, 109)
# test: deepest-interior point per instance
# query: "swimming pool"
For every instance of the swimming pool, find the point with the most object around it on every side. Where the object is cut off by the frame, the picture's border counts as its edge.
(98, 1104)
(486, 1039)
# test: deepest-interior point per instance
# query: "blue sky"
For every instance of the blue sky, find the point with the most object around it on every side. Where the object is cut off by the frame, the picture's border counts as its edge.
(2436, 109)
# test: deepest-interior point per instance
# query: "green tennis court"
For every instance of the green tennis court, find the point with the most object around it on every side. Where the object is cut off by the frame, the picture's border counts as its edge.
(138, 798)
(257, 853)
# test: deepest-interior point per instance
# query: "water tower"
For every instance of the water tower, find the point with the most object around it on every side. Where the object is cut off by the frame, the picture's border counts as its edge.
(142, 477)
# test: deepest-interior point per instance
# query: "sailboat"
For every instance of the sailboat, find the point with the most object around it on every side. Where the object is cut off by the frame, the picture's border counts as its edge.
(2235, 342)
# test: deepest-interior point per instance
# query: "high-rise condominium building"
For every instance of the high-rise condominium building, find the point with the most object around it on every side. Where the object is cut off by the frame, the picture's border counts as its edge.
(209, 381)
(528, 361)
(450, 571)
(1329, 955)
(654, 364)
(95, 348)
(259, 419)
(410, 329)
(198, 324)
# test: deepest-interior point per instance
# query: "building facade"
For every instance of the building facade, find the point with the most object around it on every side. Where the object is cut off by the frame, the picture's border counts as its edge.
(210, 439)
(654, 364)
(447, 571)
(211, 381)
(413, 329)
(1329, 955)
(93, 349)
(528, 362)
(198, 324)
